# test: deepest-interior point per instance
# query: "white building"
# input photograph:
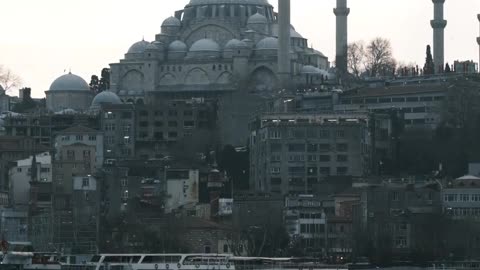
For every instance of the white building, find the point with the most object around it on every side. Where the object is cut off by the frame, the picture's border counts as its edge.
(182, 188)
(22, 174)
(82, 137)
(462, 198)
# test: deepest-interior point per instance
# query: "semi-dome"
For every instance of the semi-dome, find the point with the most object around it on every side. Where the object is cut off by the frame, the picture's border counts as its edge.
(177, 46)
(106, 97)
(235, 44)
(228, 2)
(171, 21)
(205, 45)
(268, 43)
(257, 18)
(122, 92)
(139, 47)
(69, 82)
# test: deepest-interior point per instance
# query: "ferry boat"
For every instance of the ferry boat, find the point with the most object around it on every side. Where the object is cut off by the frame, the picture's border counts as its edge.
(193, 262)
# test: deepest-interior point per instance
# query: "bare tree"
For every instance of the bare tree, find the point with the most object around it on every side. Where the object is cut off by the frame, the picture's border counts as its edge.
(8, 79)
(379, 58)
(356, 57)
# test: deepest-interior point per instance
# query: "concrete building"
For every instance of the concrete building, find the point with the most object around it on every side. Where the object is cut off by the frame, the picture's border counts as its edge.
(468, 67)
(306, 222)
(4, 101)
(461, 198)
(257, 210)
(80, 144)
(14, 225)
(420, 104)
(290, 153)
(69, 92)
(438, 24)
(44, 126)
(35, 168)
(341, 12)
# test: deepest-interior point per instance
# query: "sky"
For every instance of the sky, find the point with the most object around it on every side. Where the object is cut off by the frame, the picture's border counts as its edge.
(41, 40)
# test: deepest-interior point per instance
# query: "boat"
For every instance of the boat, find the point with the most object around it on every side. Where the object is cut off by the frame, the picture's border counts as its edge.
(193, 262)
(20, 256)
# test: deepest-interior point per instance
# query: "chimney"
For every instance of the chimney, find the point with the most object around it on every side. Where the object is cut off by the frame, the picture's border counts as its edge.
(341, 12)
(438, 24)
(284, 65)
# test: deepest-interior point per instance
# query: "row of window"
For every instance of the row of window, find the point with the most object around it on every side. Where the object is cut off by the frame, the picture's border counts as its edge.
(309, 158)
(308, 133)
(186, 124)
(391, 100)
(67, 138)
(42, 170)
(466, 212)
(310, 148)
(170, 113)
(322, 171)
(461, 198)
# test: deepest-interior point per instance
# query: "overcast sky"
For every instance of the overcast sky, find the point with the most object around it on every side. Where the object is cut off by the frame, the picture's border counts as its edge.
(41, 39)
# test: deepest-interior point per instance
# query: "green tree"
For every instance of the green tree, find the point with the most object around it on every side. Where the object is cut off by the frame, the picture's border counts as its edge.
(429, 67)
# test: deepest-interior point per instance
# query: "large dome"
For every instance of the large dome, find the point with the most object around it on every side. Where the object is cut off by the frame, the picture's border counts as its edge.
(257, 18)
(70, 82)
(106, 97)
(229, 2)
(235, 44)
(268, 43)
(138, 47)
(205, 45)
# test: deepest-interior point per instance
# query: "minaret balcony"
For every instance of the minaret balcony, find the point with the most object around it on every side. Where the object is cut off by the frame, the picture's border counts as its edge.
(342, 11)
(438, 24)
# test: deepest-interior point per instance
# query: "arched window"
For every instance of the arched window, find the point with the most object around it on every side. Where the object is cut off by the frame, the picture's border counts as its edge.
(225, 248)
(207, 249)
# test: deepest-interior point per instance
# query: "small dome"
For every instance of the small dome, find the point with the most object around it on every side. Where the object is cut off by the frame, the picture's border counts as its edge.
(205, 45)
(257, 18)
(268, 43)
(70, 82)
(132, 93)
(106, 97)
(122, 92)
(171, 21)
(235, 44)
(139, 47)
(177, 46)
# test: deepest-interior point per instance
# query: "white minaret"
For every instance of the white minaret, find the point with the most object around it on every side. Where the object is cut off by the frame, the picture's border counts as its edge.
(478, 41)
(284, 66)
(341, 12)
(438, 25)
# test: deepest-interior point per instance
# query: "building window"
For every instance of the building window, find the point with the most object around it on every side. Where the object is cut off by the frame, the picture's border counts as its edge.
(125, 195)
(109, 140)
(342, 170)
(395, 196)
(342, 158)
(207, 249)
(158, 123)
(143, 124)
(312, 148)
(79, 138)
(340, 133)
(127, 128)
(275, 170)
(85, 182)
(144, 113)
(312, 158)
(296, 147)
(312, 171)
(124, 182)
(19, 169)
(66, 138)
(126, 115)
(188, 124)
(86, 153)
(92, 138)
(342, 147)
(325, 171)
(70, 155)
(274, 134)
(172, 113)
(324, 147)
(158, 135)
(324, 158)
(276, 181)
(276, 158)
(172, 123)
(109, 127)
(188, 113)
(44, 170)
(225, 248)
(324, 134)
(109, 115)
(172, 134)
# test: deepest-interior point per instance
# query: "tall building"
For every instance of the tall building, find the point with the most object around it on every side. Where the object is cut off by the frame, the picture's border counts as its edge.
(478, 41)
(225, 50)
(291, 153)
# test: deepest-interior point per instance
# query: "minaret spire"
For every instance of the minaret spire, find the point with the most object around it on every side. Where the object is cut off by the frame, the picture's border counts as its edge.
(341, 12)
(284, 66)
(438, 24)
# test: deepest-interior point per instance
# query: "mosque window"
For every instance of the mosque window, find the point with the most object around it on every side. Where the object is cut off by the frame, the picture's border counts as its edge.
(174, 69)
(168, 68)
(219, 67)
(162, 68)
(214, 67)
(180, 68)
(149, 55)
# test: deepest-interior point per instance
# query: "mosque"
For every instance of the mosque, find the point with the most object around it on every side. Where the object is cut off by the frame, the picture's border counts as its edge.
(236, 52)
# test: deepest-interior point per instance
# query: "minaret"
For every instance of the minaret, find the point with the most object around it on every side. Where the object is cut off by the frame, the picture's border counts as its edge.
(284, 66)
(438, 25)
(341, 12)
(478, 41)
